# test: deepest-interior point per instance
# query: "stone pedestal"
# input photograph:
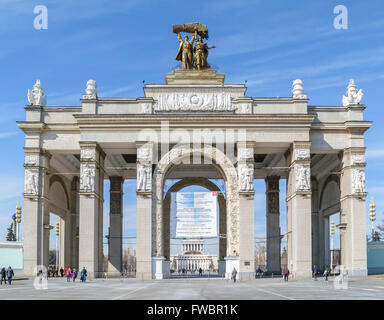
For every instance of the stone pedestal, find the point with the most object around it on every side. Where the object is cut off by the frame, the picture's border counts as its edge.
(230, 263)
(160, 268)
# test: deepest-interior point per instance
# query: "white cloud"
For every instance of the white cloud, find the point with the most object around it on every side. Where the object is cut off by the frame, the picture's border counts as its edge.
(4, 135)
(375, 153)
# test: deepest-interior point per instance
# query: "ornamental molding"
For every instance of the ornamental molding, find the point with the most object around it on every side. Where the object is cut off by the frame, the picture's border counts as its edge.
(144, 154)
(88, 155)
(31, 160)
(302, 154)
(245, 154)
(203, 102)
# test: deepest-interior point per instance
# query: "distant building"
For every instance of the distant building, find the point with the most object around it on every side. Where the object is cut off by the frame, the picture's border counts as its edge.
(11, 254)
(375, 257)
(193, 257)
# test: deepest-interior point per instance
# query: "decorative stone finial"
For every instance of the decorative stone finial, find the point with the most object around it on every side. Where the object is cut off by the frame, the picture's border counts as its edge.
(36, 97)
(353, 96)
(298, 90)
(90, 91)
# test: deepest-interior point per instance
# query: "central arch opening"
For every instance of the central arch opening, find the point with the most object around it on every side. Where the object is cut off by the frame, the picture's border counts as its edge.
(191, 255)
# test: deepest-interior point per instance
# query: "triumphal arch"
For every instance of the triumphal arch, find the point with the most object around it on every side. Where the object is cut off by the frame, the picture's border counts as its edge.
(195, 128)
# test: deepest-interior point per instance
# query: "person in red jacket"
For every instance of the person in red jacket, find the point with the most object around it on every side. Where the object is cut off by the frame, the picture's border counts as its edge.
(68, 273)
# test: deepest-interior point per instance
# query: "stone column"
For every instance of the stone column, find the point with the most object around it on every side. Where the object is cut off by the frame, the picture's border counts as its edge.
(299, 210)
(115, 242)
(273, 225)
(316, 231)
(353, 212)
(36, 212)
(144, 211)
(91, 209)
(246, 209)
(75, 222)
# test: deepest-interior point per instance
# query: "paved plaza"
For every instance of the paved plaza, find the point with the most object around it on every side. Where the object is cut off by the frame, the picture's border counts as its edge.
(371, 288)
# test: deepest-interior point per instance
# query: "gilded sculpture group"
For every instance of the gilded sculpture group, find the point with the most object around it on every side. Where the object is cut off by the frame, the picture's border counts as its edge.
(193, 57)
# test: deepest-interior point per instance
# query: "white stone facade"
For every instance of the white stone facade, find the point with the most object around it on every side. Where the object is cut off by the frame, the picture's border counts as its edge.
(70, 151)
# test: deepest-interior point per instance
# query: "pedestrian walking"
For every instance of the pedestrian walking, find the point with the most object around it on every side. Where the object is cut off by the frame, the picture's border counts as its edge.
(68, 273)
(74, 275)
(326, 274)
(286, 274)
(234, 273)
(83, 275)
(315, 271)
(10, 274)
(62, 272)
(3, 273)
(200, 272)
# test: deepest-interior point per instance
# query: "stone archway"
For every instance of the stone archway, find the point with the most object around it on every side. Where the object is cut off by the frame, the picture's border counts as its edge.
(59, 205)
(329, 204)
(206, 183)
(220, 161)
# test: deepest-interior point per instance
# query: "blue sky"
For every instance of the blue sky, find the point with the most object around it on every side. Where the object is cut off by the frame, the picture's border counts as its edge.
(121, 43)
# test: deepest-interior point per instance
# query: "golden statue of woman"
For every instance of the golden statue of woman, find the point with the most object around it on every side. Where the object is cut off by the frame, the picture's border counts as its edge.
(201, 54)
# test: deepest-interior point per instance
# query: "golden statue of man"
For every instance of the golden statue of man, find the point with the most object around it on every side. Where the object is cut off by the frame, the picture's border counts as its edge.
(185, 52)
(201, 54)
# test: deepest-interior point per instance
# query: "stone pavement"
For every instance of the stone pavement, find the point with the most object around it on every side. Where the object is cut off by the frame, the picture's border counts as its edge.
(195, 289)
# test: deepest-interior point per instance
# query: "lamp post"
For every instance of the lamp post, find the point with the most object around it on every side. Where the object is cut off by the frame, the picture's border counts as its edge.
(372, 217)
(18, 220)
(332, 233)
(57, 247)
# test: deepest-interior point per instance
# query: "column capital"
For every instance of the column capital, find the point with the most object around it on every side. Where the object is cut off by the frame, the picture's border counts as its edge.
(90, 145)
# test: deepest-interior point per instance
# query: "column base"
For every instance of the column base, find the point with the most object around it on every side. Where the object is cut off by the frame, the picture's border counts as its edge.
(300, 274)
(246, 275)
(358, 273)
(160, 268)
(112, 270)
(230, 263)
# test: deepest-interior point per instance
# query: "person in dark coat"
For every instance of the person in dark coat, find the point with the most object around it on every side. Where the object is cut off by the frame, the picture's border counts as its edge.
(3, 274)
(62, 272)
(234, 274)
(10, 274)
(315, 272)
(83, 275)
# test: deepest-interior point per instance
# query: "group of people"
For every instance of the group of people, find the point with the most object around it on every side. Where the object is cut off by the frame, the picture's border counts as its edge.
(70, 274)
(73, 274)
(191, 271)
(6, 273)
(316, 272)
